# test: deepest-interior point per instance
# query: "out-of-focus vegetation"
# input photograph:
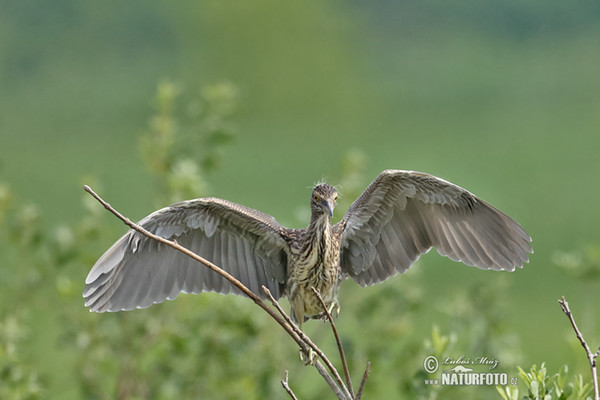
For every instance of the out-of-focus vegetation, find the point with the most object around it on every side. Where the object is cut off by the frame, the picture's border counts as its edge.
(540, 385)
(501, 98)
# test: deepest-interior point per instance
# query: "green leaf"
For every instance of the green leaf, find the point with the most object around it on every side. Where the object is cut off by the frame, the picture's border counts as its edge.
(439, 341)
(561, 378)
(525, 376)
(508, 393)
(504, 393)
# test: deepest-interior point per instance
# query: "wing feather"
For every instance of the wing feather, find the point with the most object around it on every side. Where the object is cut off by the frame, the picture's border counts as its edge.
(403, 214)
(137, 272)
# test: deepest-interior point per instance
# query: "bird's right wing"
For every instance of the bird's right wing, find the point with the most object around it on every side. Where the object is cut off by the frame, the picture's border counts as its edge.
(137, 271)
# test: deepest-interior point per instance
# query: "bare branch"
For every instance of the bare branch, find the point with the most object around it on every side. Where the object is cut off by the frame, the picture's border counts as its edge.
(281, 311)
(363, 381)
(296, 334)
(341, 392)
(287, 388)
(591, 356)
(337, 340)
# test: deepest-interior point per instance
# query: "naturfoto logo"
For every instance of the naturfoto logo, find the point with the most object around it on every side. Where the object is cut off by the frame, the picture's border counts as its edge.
(461, 373)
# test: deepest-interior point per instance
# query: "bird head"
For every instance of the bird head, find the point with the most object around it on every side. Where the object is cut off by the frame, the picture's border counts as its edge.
(323, 199)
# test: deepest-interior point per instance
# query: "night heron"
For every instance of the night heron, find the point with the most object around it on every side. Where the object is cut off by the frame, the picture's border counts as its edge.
(400, 216)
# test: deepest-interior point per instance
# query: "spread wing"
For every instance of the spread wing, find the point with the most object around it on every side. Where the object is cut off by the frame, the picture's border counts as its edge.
(137, 272)
(402, 214)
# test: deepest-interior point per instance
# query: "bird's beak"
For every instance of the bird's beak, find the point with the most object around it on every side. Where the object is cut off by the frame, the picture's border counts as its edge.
(329, 205)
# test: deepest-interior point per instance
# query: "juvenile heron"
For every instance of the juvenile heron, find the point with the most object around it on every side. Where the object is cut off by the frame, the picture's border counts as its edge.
(400, 216)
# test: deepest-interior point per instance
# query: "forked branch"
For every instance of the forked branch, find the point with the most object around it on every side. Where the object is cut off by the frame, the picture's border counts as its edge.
(286, 387)
(363, 381)
(591, 356)
(320, 368)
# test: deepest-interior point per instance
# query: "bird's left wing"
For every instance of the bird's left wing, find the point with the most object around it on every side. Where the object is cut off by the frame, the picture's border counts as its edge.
(402, 214)
(137, 272)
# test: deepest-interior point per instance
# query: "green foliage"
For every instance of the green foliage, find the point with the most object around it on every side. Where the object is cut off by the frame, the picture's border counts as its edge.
(583, 264)
(20, 229)
(180, 148)
(5, 200)
(188, 349)
(18, 379)
(541, 386)
(438, 342)
(474, 331)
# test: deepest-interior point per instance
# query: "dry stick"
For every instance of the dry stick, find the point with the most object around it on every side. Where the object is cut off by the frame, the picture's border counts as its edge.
(257, 300)
(591, 356)
(363, 381)
(337, 340)
(313, 346)
(287, 388)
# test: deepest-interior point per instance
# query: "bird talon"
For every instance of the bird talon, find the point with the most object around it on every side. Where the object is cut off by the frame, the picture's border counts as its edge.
(308, 358)
(334, 309)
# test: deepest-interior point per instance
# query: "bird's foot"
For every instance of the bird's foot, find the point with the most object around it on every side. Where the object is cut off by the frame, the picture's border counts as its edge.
(307, 357)
(334, 309)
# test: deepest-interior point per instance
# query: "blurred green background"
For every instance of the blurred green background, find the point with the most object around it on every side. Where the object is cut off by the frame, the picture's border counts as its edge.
(502, 98)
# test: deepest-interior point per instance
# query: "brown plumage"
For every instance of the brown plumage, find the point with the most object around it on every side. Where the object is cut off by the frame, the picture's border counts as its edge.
(400, 216)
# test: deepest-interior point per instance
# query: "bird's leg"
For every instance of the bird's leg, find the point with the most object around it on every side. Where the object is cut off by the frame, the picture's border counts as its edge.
(307, 357)
(297, 314)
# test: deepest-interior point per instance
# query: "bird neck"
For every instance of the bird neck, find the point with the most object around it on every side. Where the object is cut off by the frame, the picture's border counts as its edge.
(319, 222)
(316, 238)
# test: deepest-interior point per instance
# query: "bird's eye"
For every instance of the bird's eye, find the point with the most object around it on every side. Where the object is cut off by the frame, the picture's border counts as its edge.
(316, 198)
(335, 198)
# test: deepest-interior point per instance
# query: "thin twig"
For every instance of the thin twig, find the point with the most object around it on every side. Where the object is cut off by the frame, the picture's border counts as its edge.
(302, 340)
(363, 381)
(287, 388)
(281, 311)
(591, 356)
(313, 346)
(337, 340)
